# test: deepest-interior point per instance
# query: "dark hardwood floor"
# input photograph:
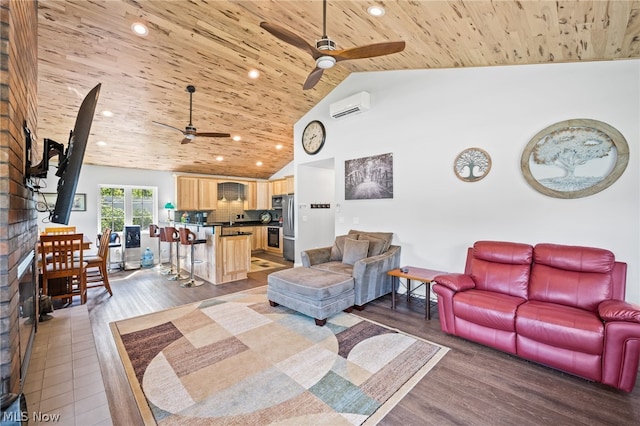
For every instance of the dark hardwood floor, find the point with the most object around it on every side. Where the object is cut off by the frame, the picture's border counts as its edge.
(471, 385)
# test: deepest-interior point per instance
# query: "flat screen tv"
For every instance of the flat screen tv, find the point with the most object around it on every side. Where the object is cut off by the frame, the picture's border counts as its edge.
(71, 162)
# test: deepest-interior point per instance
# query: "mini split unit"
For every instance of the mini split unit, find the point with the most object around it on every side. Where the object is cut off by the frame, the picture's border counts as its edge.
(355, 104)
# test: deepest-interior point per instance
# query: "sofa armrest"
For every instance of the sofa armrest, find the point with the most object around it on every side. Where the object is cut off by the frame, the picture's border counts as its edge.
(370, 275)
(619, 310)
(315, 256)
(455, 282)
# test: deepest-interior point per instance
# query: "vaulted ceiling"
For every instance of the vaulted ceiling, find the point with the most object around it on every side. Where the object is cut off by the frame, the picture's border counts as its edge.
(214, 44)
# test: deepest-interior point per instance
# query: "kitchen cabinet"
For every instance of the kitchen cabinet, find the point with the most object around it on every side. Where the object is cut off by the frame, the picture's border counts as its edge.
(282, 186)
(196, 193)
(258, 240)
(235, 257)
(263, 196)
(289, 184)
(250, 196)
(257, 196)
(187, 193)
(278, 186)
(208, 194)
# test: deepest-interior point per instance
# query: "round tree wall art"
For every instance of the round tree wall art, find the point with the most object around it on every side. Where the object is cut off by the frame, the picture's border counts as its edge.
(472, 164)
(574, 158)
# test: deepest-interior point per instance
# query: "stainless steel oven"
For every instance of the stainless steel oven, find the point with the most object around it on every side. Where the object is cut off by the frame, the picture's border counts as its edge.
(273, 237)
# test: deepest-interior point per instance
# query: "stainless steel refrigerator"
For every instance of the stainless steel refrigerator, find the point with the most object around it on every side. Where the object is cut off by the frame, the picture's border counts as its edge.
(288, 228)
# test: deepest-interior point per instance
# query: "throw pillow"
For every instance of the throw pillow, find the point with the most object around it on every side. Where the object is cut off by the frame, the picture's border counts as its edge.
(337, 250)
(387, 236)
(376, 245)
(354, 250)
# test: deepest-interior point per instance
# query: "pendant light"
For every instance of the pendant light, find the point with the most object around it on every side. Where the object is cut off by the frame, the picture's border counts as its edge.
(224, 199)
(238, 187)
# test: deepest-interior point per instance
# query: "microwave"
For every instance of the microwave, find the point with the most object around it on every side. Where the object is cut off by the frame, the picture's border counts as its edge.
(276, 202)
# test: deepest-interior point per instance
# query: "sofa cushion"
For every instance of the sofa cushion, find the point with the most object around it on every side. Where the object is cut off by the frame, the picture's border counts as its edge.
(574, 258)
(570, 275)
(502, 267)
(336, 266)
(376, 245)
(337, 250)
(561, 326)
(354, 250)
(503, 252)
(386, 236)
(487, 308)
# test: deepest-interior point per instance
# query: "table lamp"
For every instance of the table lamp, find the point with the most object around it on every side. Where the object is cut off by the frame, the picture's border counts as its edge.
(169, 207)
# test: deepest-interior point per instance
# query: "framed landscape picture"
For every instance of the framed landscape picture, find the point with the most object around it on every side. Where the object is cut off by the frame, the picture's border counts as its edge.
(369, 178)
(79, 201)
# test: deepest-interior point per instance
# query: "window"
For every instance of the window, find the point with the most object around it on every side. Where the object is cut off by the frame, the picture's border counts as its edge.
(131, 205)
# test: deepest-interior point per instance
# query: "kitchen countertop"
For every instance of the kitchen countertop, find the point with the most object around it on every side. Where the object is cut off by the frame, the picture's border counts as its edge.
(235, 234)
(232, 225)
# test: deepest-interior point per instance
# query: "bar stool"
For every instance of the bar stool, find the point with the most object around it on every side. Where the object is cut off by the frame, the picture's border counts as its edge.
(188, 237)
(163, 239)
(154, 232)
(173, 236)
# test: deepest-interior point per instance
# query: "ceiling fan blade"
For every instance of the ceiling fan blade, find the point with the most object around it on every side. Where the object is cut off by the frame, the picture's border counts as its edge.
(368, 51)
(170, 127)
(186, 140)
(313, 78)
(290, 38)
(213, 135)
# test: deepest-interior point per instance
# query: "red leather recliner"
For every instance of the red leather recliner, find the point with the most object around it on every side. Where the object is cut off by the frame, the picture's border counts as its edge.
(561, 306)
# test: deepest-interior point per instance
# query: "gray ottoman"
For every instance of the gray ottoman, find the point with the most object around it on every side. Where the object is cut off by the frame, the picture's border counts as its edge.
(315, 293)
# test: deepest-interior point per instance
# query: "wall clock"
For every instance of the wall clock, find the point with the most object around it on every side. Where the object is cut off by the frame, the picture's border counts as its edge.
(313, 137)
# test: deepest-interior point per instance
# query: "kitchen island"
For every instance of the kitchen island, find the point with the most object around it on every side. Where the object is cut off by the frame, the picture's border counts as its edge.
(225, 256)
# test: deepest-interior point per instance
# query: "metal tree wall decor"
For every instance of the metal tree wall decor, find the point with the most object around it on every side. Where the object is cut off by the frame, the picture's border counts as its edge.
(574, 158)
(472, 164)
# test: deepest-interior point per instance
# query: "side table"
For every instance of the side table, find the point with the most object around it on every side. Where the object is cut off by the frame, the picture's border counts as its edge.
(425, 276)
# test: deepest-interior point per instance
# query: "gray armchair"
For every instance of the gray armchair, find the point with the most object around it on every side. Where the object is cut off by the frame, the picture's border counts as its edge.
(368, 263)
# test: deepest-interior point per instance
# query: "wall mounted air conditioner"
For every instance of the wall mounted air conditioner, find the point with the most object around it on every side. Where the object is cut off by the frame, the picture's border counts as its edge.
(355, 104)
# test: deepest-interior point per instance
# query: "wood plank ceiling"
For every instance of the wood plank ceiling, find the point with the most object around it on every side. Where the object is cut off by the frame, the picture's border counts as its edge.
(213, 44)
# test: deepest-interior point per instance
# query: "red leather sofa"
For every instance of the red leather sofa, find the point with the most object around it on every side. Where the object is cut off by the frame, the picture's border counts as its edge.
(561, 306)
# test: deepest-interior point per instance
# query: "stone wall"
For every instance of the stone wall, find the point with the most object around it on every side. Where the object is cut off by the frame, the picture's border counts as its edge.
(18, 217)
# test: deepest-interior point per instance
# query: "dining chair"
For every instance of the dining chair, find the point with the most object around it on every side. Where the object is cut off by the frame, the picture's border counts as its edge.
(60, 230)
(61, 269)
(97, 270)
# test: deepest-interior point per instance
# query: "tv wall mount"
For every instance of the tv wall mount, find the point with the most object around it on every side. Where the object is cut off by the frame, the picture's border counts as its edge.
(51, 149)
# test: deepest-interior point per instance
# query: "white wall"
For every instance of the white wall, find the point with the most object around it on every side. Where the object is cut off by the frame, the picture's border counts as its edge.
(426, 117)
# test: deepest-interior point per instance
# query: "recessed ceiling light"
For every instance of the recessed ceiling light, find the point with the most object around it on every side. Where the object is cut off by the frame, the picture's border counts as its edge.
(107, 113)
(279, 146)
(236, 138)
(259, 163)
(375, 10)
(254, 74)
(139, 29)
(101, 143)
(219, 158)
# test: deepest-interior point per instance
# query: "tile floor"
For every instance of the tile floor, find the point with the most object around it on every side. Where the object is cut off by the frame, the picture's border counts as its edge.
(63, 378)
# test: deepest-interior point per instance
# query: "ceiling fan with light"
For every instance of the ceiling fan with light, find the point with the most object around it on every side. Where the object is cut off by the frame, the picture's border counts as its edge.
(325, 53)
(190, 132)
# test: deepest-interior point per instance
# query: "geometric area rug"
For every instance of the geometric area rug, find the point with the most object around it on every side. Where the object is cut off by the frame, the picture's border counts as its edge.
(236, 360)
